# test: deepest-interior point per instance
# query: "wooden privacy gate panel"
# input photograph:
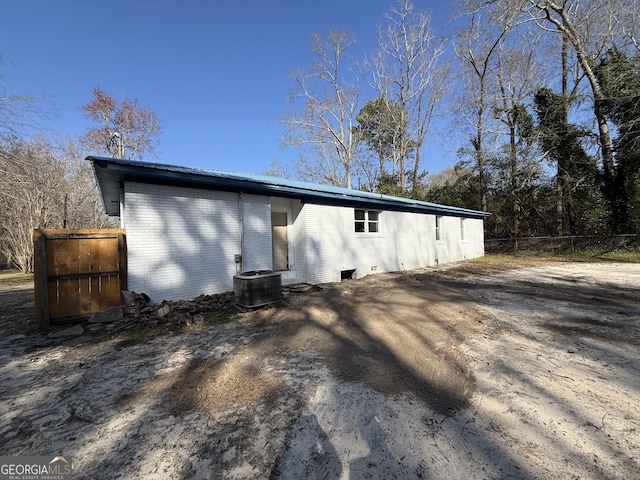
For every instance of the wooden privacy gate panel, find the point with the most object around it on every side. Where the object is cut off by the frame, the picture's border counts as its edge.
(77, 272)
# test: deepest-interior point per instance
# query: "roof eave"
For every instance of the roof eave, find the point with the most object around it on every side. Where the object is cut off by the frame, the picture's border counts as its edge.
(112, 174)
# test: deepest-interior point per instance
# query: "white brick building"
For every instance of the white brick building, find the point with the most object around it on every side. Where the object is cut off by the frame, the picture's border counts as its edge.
(189, 231)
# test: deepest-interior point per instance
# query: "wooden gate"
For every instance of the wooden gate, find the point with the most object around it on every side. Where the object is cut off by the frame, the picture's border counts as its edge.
(77, 272)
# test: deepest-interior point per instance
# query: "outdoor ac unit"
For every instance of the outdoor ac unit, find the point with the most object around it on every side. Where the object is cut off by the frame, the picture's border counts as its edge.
(253, 289)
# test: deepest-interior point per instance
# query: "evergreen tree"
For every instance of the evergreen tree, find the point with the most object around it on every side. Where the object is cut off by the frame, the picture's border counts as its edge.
(380, 127)
(577, 175)
(620, 77)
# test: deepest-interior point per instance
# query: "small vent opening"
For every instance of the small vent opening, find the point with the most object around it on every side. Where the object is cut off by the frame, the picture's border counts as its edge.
(347, 274)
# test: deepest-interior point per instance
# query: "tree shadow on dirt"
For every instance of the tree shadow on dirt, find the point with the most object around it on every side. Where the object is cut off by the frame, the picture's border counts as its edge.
(580, 335)
(388, 339)
(389, 333)
(308, 453)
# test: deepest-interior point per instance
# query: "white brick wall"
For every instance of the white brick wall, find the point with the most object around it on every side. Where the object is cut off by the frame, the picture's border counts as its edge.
(181, 242)
(406, 241)
(257, 233)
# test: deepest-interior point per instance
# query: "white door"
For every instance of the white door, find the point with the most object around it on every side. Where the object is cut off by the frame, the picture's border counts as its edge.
(279, 240)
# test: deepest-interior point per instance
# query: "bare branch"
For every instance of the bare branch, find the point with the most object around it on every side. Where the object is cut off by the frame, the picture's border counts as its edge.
(125, 129)
(327, 118)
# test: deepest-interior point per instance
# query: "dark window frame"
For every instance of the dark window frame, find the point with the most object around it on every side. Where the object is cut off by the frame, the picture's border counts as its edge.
(366, 221)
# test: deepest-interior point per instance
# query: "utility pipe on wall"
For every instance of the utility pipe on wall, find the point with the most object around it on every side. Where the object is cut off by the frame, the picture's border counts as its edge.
(241, 212)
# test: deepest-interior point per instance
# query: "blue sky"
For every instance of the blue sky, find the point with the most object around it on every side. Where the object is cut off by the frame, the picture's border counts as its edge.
(215, 73)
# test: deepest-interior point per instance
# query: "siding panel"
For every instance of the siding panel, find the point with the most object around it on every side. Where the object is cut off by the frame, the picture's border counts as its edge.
(181, 241)
(405, 241)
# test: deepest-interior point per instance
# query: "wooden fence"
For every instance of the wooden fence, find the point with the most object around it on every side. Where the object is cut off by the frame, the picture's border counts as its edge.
(561, 243)
(77, 272)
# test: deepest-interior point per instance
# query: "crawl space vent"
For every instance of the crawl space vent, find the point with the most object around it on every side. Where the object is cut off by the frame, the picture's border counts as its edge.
(253, 289)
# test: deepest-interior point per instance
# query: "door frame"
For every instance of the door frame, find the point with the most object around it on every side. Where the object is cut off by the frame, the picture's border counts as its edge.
(286, 243)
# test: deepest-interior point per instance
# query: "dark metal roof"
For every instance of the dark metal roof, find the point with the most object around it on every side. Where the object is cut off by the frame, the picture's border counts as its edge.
(112, 173)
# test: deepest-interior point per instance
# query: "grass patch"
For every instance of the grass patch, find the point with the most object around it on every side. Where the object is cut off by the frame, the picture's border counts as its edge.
(622, 256)
(12, 278)
(532, 258)
(507, 261)
(590, 255)
(493, 263)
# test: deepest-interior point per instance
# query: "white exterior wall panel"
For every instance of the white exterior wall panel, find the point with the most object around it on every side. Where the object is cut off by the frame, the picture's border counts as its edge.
(452, 247)
(256, 240)
(405, 241)
(181, 242)
(299, 233)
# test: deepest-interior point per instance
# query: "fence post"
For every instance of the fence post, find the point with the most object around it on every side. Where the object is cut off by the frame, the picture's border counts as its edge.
(40, 283)
(122, 261)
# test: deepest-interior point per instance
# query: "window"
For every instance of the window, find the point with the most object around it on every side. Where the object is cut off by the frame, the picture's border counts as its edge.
(438, 227)
(374, 221)
(367, 221)
(462, 229)
(360, 220)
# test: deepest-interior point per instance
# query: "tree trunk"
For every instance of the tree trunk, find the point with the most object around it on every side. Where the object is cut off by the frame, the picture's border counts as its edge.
(479, 153)
(416, 171)
(566, 27)
(513, 161)
(559, 174)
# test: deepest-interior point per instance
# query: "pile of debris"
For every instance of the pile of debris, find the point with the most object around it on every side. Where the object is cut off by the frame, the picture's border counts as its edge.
(136, 311)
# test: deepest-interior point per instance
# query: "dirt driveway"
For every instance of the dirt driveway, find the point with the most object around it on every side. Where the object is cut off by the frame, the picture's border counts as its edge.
(458, 372)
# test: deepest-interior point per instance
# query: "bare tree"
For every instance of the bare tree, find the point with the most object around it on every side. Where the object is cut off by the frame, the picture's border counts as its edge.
(628, 16)
(476, 44)
(574, 21)
(40, 187)
(323, 128)
(31, 190)
(277, 169)
(18, 112)
(125, 129)
(409, 71)
(518, 76)
(83, 207)
(587, 28)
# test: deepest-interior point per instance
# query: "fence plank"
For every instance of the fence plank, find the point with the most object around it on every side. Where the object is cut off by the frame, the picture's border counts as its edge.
(122, 261)
(73, 256)
(51, 270)
(84, 255)
(54, 300)
(85, 295)
(109, 255)
(110, 291)
(59, 256)
(68, 297)
(94, 283)
(41, 290)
